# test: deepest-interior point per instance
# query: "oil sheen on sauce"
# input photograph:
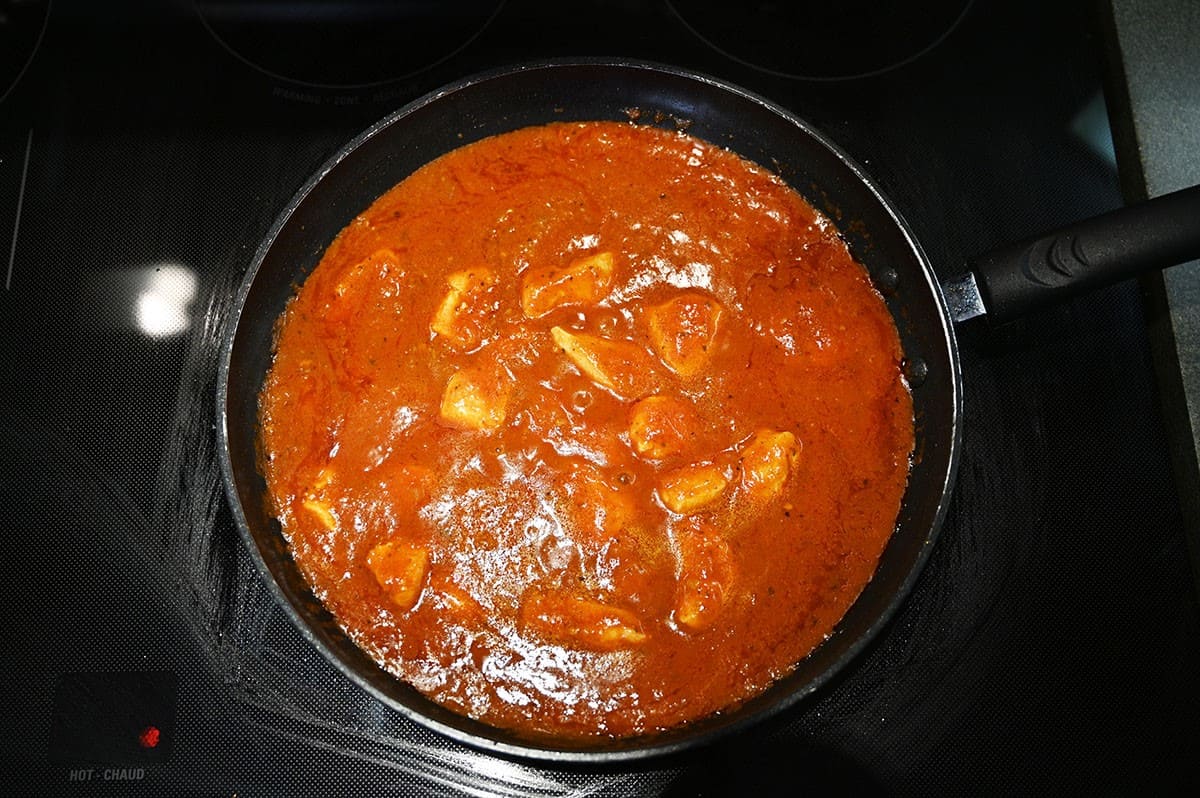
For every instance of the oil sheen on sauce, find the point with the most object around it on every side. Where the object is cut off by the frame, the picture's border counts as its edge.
(588, 429)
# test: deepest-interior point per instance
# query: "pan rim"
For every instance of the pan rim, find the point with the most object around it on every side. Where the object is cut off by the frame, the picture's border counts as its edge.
(632, 749)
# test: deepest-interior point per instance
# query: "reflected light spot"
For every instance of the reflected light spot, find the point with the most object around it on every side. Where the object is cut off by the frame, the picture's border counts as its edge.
(1090, 126)
(164, 300)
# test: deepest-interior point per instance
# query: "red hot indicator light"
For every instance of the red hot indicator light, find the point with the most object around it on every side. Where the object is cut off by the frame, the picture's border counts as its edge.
(149, 737)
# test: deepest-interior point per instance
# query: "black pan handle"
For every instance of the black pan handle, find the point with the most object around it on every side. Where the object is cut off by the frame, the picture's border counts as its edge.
(1050, 268)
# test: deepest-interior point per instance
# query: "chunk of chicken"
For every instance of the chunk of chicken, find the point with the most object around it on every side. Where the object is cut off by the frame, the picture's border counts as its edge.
(580, 622)
(706, 573)
(322, 511)
(661, 426)
(767, 461)
(620, 366)
(400, 568)
(373, 266)
(460, 317)
(683, 330)
(599, 510)
(373, 278)
(691, 488)
(316, 504)
(457, 603)
(471, 401)
(584, 281)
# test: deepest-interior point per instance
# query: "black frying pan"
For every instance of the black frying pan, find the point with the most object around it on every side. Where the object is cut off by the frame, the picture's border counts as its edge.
(755, 128)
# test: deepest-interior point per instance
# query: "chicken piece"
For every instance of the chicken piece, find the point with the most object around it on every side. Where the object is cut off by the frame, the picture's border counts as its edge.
(688, 489)
(471, 401)
(683, 329)
(322, 511)
(315, 502)
(661, 426)
(460, 317)
(364, 282)
(324, 477)
(583, 282)
(706, 572)
(580, 622)
(767, 461)
(400, 569)
(457, 603)
(374, 265)
(620, 366)
(598, 509)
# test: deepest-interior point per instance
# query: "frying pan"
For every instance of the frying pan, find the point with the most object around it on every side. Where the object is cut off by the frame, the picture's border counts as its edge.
(1005, 284)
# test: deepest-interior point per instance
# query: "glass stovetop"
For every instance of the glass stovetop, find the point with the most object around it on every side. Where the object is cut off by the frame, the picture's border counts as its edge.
(1051, 644)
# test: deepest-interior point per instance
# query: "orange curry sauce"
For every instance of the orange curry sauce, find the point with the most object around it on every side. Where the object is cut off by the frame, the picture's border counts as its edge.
(587, 429)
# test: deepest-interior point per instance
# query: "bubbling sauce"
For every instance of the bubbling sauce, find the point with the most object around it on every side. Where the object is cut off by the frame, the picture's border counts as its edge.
(589, 429)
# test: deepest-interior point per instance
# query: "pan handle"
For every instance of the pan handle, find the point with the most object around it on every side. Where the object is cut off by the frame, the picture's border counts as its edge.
(1050, 268)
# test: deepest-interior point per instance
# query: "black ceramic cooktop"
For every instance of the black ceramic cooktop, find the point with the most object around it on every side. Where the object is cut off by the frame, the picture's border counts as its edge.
(1052, 643)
